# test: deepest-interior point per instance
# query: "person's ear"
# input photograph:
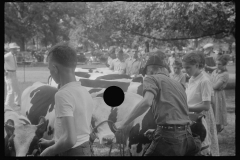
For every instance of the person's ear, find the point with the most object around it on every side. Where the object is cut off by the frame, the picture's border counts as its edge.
(55, 69)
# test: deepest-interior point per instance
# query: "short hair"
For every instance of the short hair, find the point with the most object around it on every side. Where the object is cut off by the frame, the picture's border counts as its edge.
(192, 58)
(202, 60)
(224, 59)
(111, 50)
(177, 62)
(64, 54)
(120, 51)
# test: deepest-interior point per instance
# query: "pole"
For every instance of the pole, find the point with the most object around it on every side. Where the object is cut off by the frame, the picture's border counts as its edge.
(24, 66)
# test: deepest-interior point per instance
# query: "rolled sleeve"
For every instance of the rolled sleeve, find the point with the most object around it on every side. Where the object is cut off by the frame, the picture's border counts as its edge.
(206, 90)
(150, 85)
(64, 106)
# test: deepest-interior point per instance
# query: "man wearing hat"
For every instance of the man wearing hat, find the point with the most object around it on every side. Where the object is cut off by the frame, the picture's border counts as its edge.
(118, 64)
(171, 60)
(10, 67)
(168, 102)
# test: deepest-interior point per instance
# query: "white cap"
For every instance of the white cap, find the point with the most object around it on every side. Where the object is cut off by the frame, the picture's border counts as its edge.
(13, 45)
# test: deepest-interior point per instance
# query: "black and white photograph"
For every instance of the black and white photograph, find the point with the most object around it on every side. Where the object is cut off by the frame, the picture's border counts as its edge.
(119, 78)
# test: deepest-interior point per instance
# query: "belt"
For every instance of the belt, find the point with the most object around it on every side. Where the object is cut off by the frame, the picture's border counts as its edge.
(11, 70)
(173, 127)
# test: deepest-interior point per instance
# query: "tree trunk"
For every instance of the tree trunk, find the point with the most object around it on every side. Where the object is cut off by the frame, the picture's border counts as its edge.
(22, 44)
(146, 47)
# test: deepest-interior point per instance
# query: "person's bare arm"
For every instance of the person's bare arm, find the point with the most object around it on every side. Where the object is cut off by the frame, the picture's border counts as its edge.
(203, 106)
(67, 141)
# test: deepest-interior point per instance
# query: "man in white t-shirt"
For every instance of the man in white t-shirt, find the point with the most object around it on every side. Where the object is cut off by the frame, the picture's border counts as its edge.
(13, 97)
(73, 107)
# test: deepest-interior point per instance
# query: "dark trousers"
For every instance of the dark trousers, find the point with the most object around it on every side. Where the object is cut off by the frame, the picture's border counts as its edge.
(81, 150)
(173, 143)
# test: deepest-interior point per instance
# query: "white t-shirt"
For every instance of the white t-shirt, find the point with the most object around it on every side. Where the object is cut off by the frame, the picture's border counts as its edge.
(74, 100)
(10, 63)
(200, 89)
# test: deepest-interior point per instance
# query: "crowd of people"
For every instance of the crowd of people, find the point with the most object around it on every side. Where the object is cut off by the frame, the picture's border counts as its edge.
(165, 90)
(204, 92)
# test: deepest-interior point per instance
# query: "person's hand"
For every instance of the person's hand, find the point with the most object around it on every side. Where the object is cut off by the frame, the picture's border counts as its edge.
(119, 125)
(149, 132)
(45, 143)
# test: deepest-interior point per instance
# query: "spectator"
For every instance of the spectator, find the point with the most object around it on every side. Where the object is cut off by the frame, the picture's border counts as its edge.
(178, 75)
(10, 67)
(129, 62)
(118, 64)
(199, 92)
(219, 79)
(135, 64)
(111, 56)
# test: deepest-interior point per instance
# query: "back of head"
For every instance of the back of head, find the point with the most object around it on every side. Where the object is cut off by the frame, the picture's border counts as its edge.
(224, 59)
(64, 54)
(193, 58)
(178, 63)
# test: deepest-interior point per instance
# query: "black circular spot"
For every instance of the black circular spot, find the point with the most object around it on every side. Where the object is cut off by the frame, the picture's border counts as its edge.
(113, 96)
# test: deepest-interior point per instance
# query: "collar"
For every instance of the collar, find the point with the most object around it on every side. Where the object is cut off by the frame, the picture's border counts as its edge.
(196, 78)
(68, 84)
(221, 71)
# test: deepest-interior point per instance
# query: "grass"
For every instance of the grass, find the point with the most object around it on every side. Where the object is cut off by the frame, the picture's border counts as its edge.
(226, 137)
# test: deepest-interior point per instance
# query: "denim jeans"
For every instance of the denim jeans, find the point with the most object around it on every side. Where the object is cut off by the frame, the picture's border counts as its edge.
(81, 150)
(173, 143)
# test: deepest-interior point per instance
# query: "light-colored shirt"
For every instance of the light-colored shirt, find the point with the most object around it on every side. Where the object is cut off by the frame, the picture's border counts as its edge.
(135, 67)
(171, 61)
(10, 61)
(118, 66)
(75, 101)
(200, 89)
(223, 76)
(110, 61)
(128, 65)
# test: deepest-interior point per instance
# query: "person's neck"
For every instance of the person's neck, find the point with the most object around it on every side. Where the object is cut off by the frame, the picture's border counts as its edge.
(67, 77)
(197, 73)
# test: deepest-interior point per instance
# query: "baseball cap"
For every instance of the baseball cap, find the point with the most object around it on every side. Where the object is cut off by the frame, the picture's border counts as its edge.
(153, 60)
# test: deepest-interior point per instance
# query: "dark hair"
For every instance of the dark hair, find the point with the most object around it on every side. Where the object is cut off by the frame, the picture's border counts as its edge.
(64, 54)
(192, 58)
(224, 59)
(111, 50)
(177, 62)
(120, 51)
(202, 60)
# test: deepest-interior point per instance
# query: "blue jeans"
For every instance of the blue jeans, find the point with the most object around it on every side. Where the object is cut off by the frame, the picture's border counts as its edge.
(173, 143)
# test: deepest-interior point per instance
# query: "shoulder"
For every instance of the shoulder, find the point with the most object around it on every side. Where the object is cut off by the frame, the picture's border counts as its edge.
(205, 81)
(8, 55)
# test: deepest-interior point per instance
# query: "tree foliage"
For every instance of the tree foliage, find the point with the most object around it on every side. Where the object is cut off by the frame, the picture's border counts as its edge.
(104, 24)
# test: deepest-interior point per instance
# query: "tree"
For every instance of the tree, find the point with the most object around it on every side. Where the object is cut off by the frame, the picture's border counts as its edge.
(168, 21)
